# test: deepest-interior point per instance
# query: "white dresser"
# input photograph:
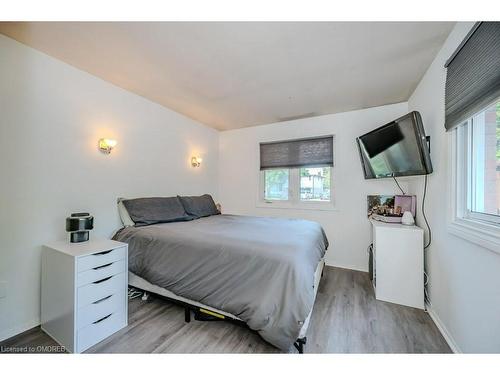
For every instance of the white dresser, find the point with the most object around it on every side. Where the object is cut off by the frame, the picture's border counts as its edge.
(398, 263)
(84, 291)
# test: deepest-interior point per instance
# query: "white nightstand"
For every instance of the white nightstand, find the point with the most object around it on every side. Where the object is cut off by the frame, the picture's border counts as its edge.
(84, 291)
(398, 263)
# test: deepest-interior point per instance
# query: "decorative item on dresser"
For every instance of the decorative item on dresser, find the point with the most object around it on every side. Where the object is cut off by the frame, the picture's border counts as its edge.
(398, 263)
(84, 291)
(78, 225)
(407, 218)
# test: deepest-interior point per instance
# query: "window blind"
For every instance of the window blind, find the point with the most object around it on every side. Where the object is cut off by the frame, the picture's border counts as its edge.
(473, 75)
(307, 152)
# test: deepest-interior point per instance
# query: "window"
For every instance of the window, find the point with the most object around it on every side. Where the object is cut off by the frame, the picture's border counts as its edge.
(297, 173)
(476, 176)
(276, 184)
(315, 184)
(297, 187)
(484, 190)
(472, 116)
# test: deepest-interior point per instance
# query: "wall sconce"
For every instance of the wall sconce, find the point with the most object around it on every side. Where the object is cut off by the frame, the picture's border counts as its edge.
(106, 145)
(196, 161)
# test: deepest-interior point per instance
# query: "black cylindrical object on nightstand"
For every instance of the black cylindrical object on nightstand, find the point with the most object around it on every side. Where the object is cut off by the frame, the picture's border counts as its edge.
(78, 225)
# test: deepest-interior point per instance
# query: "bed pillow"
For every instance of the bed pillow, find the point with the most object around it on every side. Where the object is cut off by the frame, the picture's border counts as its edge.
(124, 215)
(147, 211)
(200, 206)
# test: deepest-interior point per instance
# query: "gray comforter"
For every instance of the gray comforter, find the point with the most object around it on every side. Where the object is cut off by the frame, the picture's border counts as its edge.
(259, 269)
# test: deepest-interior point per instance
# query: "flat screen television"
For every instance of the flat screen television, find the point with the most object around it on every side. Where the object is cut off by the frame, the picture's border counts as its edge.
(398, 148)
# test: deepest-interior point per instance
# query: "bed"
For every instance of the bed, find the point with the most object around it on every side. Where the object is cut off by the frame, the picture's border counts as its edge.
(263, 272)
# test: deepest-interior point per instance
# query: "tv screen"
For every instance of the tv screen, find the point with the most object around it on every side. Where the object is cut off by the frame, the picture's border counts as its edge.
(396, 149)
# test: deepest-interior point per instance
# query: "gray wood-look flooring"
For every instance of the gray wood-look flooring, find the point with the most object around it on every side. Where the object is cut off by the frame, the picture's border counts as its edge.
(346, 319)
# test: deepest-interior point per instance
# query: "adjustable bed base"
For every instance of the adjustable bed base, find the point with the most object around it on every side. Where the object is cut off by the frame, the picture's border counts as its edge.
(204, 312)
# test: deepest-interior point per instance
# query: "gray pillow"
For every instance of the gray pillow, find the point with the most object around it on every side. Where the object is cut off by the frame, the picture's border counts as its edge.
(199, 206)
(147, 211)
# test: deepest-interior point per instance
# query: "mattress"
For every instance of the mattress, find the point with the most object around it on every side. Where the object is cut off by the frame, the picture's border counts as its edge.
(260, 270)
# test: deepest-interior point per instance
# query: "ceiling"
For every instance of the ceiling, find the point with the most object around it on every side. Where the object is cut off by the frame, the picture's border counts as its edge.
(230, 75)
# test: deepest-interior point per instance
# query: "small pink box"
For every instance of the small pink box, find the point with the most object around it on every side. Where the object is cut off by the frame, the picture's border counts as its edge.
(404, 203)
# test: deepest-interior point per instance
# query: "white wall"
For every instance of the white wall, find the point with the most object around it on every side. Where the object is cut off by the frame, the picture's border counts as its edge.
(51, 116)
(464, 278)
(347, 227)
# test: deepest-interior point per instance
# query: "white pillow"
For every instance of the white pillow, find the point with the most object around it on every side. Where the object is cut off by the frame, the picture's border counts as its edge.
(124, 215)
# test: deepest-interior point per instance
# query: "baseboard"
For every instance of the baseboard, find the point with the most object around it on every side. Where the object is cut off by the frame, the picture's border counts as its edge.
(353, 268)
(11, 332)
(442, 328)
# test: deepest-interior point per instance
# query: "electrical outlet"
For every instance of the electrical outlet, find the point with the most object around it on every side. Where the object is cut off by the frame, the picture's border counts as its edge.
(3, 289)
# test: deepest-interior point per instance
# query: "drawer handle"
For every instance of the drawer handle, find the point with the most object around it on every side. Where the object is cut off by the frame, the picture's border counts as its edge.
(102, 300)
(103, 253)
(104, 266)
(103, 280)
(100, 320)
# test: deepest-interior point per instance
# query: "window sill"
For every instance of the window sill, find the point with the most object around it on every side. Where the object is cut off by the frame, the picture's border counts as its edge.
(479, 233)
(316, 206)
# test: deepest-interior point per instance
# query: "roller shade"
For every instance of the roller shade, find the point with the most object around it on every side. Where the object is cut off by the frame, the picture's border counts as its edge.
(296, 153)
(473, 75)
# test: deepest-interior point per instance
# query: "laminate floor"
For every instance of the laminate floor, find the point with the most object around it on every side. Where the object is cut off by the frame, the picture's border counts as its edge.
(346, 319)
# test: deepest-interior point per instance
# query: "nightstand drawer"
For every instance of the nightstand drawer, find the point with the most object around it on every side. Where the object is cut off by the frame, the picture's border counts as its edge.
(100, 259)
(98, 331)
(101, 272)
(99, 289)
(99, 309)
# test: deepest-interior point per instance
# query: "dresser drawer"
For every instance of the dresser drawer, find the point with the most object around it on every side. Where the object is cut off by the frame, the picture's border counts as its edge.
(100, 259)
(101, 308)
(100, 289)
(98, 331)
(100, 272)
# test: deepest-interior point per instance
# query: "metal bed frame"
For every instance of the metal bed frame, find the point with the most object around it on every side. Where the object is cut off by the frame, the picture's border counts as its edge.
(206, 315)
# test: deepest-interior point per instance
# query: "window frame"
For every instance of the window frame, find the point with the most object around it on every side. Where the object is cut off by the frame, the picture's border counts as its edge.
(474, 226)
(294, 201)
